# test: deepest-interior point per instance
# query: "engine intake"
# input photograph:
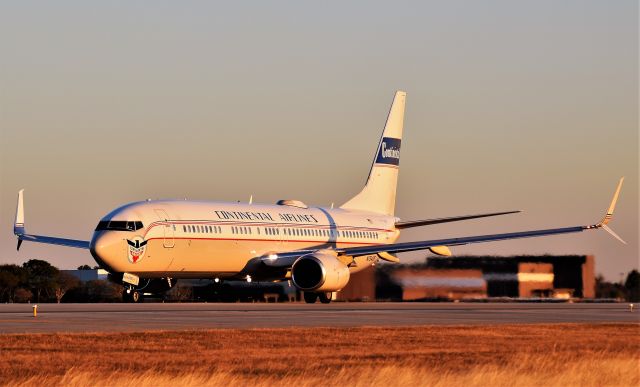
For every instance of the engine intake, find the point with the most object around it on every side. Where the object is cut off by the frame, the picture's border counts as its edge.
(321, 272)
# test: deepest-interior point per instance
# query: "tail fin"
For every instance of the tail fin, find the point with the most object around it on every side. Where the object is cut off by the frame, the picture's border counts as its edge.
(379, 194)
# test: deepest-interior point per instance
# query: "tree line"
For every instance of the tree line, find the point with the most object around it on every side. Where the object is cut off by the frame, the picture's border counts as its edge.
(39, 281)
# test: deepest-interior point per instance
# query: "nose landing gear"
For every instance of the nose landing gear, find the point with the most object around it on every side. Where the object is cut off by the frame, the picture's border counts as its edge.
(132, 295)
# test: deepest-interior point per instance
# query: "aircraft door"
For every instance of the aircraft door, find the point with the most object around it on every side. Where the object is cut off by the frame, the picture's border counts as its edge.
(168, 229)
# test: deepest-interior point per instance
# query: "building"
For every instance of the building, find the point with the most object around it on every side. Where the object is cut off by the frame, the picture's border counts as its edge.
(89, 275)
(476, 277)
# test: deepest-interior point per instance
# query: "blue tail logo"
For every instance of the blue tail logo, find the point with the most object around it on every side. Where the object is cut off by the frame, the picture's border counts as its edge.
(389, 152)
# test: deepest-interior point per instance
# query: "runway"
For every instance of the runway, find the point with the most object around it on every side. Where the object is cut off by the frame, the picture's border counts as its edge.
(18, 318)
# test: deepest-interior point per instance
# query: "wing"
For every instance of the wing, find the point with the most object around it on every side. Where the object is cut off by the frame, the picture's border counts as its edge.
(20, 232)
(53, 241)
(287, 259)
(428, 222)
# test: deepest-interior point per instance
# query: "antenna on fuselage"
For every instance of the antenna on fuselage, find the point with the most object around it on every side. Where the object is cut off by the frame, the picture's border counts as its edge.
(251, 199)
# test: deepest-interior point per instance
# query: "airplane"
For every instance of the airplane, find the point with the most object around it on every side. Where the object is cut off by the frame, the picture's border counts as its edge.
(148, 245)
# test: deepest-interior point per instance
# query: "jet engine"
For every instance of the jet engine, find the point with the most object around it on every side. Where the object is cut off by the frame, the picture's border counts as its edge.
(319, 272)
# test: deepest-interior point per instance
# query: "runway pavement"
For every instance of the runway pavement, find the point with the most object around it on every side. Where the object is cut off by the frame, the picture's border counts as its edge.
(18, 318)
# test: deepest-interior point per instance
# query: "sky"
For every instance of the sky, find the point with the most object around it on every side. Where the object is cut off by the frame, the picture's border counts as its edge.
(528, 105)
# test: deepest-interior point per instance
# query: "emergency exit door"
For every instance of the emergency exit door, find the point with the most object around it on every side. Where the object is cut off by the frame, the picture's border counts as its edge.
(167, 228)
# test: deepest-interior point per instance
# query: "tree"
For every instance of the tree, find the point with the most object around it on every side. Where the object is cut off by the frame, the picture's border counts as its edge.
(606, 289)
(63, 283)
(180, 293)
(84, 267)
(11, 277)
(632, 285)
(96, 291)
(23, 295)
(41, 277)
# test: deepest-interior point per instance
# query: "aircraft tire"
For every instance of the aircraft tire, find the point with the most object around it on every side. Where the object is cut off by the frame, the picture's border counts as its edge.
(136, 297)
(325, 298)
(310, 298)
(133, 296)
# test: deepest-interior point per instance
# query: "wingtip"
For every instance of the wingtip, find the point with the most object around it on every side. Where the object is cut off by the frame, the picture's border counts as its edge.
(613, 234)
(612, 206)
(609, 215)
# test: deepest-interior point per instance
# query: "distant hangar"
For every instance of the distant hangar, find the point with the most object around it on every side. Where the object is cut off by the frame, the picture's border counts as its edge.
(477, 277)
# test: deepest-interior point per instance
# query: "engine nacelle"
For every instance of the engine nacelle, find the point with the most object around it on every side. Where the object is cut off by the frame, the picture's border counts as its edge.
(321, 272)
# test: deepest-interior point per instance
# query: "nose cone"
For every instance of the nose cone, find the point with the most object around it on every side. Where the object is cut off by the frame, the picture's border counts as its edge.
(104, 248)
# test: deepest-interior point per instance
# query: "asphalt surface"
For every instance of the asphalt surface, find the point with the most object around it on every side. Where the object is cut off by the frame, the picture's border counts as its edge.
(18, 318)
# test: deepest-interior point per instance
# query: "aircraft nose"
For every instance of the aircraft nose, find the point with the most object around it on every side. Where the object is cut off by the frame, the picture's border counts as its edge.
(103, 248)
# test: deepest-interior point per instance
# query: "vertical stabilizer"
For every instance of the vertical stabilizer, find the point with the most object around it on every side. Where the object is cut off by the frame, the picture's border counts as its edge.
(379, 194)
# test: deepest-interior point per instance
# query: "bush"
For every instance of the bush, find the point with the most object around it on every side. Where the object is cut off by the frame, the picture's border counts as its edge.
(22, 295)
(95, 291)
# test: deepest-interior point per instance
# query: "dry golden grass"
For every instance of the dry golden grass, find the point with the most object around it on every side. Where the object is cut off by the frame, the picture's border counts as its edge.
(526, 355)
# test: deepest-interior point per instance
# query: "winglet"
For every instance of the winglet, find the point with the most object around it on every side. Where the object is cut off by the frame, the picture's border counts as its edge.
(609, 215)
(18, 225)
(613, 234)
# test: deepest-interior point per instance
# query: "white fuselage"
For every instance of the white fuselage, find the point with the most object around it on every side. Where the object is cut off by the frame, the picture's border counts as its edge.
(200, 239)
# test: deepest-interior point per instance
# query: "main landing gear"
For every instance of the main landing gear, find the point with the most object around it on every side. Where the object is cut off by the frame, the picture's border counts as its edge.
(310, 298)
(132, 295)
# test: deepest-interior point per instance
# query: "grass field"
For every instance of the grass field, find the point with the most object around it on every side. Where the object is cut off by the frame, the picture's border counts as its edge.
(527, 355)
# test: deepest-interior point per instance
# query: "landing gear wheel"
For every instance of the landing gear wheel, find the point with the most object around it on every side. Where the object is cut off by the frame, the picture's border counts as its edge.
(136, 297)
(325, 298)
(310, 298)
(133, 296)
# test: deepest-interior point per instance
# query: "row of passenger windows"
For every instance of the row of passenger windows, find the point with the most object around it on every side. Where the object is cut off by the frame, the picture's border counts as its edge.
(202, 229)
(305, 232)
(207, 229)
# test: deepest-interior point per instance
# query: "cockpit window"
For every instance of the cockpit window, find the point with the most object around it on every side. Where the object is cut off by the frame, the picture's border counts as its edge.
(119, 225)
